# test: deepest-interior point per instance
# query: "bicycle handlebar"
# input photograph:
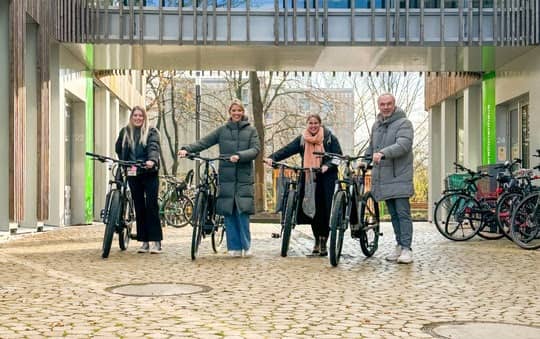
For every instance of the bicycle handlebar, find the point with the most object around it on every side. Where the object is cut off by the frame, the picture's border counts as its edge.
(197, 156)
(341, 156)
(276, 164)
(471, 172)
(104, 158)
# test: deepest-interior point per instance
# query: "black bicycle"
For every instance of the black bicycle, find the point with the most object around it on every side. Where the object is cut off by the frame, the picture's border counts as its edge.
(118, 215)
(205, 221)
(291, 200)
(350, 196)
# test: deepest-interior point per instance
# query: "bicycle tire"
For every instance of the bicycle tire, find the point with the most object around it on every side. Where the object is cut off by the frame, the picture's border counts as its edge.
(525, 224)
(124, 234)
(173, 211)
(218, 234)
(455, 216)
(198, 222)
(187, 208)
(506, 204)
(337, 227)
(490, 221)
(113, 220)
(288, 224)
(370, 229)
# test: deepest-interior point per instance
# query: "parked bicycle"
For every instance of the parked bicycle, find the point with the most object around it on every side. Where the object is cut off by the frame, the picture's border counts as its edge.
(350, 197)
(525, 223)
(205, 221)
(176, 207)
(118, 214)
(291, 200)
(460, 215)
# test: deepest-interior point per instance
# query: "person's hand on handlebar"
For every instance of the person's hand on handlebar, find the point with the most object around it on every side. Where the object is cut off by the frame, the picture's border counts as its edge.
(234, 158)
(268, 161)
(324, 168)
(149, 164)
(377, 157)
(182, 153)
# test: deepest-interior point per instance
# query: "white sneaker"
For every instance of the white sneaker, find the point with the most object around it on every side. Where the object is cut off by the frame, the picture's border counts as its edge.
(145, 247)
(405, 257)
(394, 255)
(156, 247)
(235, 253)
(247, 253)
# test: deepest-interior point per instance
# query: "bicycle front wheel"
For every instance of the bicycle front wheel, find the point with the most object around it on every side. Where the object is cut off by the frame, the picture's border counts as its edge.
(288, 224)
(506, 205)
(127, 223)
(218, 233)
(113, 220)
(198, 223)
(173, 211)
(525, 225)
(370, 228)
(337, 227)
(458, 216)
(490, 226)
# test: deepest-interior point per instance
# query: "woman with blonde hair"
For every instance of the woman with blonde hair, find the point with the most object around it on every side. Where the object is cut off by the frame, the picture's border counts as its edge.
(238, 140)
(140, 142)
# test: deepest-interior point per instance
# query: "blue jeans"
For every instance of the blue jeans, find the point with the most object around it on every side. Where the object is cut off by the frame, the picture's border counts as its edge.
(237, 231)
(400, 213)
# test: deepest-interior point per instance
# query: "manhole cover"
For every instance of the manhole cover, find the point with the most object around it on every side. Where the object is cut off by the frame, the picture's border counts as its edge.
(481, 330)
(158, 289)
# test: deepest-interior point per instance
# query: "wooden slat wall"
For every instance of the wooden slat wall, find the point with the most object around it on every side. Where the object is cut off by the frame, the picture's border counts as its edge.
(439, 86)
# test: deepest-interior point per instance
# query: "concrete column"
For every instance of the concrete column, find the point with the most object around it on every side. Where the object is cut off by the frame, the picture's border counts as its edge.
(472, 101)
(448, 136)
(4, 115)
(78, 170)
(57, 141)
(102, 145)
(435, 145)
(31, 84)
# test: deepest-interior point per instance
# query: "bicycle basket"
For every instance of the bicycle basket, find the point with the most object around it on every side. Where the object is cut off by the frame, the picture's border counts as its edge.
(456, 181)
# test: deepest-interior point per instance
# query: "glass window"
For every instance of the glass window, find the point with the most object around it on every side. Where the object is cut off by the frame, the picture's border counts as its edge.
(432, 4)
(256, 4)
(525, 135)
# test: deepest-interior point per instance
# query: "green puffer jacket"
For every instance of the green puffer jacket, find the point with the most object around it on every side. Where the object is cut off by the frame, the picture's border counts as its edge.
(393, 176)
(235, 179)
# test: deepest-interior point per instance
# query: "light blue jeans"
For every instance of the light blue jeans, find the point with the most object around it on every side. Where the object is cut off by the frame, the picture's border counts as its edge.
(237, 231)
(400, 213)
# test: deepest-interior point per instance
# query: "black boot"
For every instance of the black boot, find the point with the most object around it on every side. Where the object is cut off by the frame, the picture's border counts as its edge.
(324, 250)
(317, 246)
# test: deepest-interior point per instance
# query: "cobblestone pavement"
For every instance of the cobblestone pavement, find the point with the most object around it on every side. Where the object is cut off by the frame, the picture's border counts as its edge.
(54, 284)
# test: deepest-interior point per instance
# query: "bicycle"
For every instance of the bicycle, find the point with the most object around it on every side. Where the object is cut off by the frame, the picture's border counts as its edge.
(118, 215)
(350, 192)
(291, 201)
(204, 220)
(458, 209)
(176, 207)
(525, 223)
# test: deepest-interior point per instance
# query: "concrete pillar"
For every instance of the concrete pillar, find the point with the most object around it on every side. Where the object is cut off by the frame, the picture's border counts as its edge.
(57, 141)
(78, 169)
(435, 145)
(4, 115)
(448, 136)
(102, 145)
(31, 84)
(472, 101)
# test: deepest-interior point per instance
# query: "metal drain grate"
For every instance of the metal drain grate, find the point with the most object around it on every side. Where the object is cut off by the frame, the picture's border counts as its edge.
(158, 289)
(481, 330)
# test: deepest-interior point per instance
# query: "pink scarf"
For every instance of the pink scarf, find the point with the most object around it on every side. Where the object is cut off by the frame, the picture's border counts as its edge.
(313, 143)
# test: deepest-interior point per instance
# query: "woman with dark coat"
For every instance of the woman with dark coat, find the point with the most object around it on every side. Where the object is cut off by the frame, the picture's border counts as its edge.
(235, 201)
(140, 142)
(315, 138)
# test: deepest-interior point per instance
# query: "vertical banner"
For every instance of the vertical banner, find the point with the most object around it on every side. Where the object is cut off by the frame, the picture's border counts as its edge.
(489, 125)
(89, 141)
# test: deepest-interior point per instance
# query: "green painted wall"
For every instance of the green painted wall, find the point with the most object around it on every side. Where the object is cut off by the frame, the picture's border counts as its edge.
(89, 140)
(489, 123)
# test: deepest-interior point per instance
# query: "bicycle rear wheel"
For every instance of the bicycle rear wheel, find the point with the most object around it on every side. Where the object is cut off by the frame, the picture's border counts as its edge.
(113, 220)
(337, 227)
(370, 228)
(288, 224)
(490, 226)
(198, 222)
(173, 211)
(127, 223)
(506, 204)
(458, 216)
(218, 234)
(525, 225)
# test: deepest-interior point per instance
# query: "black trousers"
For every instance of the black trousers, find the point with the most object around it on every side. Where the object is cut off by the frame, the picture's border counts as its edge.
(144, 190)
(319, 224)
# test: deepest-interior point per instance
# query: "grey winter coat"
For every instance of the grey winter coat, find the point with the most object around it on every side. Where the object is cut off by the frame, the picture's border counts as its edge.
(235, 179)
(393, 176)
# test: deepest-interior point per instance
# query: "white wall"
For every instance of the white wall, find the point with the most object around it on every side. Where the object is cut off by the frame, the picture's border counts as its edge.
(435, 144)
(472, 102)
(102, 145)
(4, 115)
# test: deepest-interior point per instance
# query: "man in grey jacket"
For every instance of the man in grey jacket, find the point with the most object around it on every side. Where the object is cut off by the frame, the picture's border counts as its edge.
(392, 176)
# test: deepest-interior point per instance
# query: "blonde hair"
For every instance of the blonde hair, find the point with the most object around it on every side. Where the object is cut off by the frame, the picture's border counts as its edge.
(129, 131)
(237, 102)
